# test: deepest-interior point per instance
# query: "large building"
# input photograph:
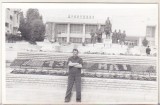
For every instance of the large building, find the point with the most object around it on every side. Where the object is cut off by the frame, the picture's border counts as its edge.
(12, 20)
(77, 28)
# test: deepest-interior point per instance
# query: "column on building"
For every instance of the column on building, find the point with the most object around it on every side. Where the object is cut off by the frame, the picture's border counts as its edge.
(140, 41)
(83, 36)
(54, 37)
(99, 26)
(68, 32)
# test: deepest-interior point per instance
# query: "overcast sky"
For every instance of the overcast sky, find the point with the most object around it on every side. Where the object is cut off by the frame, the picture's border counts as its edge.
(49, 10)
(130, 17)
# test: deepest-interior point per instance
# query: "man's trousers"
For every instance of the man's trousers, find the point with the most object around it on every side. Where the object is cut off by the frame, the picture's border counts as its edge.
(74, 76)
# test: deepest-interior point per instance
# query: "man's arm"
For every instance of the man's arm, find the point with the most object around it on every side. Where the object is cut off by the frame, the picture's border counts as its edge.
(72, 64)
(78, 66)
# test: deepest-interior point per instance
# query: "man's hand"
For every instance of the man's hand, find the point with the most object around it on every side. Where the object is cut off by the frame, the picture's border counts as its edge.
(77, 65)
(72, 64)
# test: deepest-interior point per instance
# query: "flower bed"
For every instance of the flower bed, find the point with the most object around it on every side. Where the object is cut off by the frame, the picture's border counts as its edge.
(111, 75)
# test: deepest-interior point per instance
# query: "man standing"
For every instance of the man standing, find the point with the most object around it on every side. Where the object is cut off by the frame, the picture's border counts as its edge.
(114, 37)
(75, 64)
(148, 50)
(119, 37)
(123, 37)
(99, 35)
(92, 33)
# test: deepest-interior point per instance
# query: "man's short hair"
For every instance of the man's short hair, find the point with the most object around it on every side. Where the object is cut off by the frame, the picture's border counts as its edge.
(75, 50)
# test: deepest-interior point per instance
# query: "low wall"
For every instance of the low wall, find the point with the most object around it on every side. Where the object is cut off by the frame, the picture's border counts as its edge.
(93, 58)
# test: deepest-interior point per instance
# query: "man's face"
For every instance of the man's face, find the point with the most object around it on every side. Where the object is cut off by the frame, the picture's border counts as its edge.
(75, 53)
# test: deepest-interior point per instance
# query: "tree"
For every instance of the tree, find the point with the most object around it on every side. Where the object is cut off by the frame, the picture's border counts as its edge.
(34, 26)
(32, 14)
(22, 26)
(145, 42)
(38, 30)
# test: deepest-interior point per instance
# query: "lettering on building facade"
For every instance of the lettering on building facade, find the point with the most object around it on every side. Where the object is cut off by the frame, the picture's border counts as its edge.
(80, 16)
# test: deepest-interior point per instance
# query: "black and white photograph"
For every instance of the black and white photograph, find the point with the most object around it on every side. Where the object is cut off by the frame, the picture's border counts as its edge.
(79, 53)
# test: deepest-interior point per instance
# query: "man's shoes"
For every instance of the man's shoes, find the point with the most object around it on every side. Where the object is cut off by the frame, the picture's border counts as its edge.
(78, 100)
(66, 100)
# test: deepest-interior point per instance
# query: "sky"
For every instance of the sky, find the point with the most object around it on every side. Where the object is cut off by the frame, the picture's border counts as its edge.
(50, 10)
(130, 17)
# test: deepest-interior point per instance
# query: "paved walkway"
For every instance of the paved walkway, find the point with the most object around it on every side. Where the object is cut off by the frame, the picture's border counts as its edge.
(45, 89)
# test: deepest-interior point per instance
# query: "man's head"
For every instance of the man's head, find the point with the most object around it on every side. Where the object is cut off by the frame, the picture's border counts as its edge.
(75, 52)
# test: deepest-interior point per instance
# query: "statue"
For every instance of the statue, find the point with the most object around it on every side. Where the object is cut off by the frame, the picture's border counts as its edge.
(108, 28)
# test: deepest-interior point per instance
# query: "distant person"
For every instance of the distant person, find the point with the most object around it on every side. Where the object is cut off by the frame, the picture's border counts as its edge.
(119, 36)
(114, 37)
(148, 50)
(128, 50)
(75, 64)
(99, 35)
(92, 34)
(123, 37)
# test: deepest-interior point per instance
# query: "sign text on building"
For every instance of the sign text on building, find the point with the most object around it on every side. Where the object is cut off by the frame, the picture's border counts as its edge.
(81, 16)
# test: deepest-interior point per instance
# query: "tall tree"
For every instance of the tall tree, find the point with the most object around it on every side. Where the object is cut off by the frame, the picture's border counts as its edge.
(32, 14)
(38, 30)
(34, 25)
(22, 26)
(145, 42)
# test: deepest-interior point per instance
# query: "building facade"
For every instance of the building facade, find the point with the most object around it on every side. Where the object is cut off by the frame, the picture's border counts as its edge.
(12, 21)
(76, 29)
(151, 34)
(70, 32)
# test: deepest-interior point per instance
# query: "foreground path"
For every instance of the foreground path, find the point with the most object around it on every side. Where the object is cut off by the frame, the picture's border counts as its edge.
(49, 89)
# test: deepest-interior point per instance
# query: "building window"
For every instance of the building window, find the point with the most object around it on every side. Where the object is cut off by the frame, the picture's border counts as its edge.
(89, 28)
(61, 28)
(136, 43)
(152, 43)
(75, 40)
(88, 40)
(7, 25)
(62, 39)
(11, 17)
(102, 27)
(126, 43)
(76, 28)
(150, 31)
(49, 30)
